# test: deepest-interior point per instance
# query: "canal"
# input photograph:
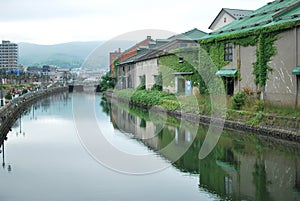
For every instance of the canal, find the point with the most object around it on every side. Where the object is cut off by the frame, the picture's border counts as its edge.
(48, 156)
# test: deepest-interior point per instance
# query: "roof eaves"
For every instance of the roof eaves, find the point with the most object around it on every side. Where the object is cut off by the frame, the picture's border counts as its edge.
(216, 18)
(286, 9)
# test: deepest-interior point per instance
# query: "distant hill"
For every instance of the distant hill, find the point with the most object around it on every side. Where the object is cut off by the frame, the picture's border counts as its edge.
(63, 55)
(70, 55)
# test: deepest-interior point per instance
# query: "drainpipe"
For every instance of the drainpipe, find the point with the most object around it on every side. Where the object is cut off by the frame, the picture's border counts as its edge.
(239, 62)
(297, 76)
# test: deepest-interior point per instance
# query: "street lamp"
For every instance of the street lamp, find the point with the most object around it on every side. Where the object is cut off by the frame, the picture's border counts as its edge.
(1, 76)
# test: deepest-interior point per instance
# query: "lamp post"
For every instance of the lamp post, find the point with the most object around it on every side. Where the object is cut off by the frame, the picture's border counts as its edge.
(1, 76)
(3, 157)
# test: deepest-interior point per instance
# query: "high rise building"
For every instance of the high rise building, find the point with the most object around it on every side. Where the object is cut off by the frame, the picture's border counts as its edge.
(8, 55)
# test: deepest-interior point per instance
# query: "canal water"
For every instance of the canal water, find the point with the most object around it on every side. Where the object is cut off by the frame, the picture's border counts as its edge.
(47, 157)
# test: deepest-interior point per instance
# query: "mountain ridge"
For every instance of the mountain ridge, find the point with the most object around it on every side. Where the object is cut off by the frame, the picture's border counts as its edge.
(66, 55)
(91, 54)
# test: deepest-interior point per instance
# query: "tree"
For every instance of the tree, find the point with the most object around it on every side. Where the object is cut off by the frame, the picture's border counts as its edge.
(107, 82)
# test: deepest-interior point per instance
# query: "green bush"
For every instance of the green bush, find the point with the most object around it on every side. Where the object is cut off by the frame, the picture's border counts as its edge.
(156, 87)
(107, 82)
(24, 91)
(259, 105)
(238, 100)
(170, 104)
(8, 96)
(257, 119)
(150, 98)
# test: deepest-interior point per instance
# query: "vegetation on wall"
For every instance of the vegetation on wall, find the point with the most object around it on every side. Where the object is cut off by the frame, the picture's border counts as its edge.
(142, 84)
(265, 50)
(262, 38)
(217, 54)
(158, 84)
(170, 64)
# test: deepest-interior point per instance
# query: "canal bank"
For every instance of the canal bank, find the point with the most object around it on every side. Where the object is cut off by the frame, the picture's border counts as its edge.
(274, 126)
(12, 111)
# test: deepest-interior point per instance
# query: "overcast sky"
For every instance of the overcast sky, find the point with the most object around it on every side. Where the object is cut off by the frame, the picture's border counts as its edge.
(57, 21)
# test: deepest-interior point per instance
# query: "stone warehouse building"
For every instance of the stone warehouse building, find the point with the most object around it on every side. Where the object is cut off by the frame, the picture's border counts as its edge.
(143, 68)
(260, 52)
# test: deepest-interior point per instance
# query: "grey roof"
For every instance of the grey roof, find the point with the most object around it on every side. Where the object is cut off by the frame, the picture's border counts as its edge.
(193, 34)
(235, 13)
(158, 47)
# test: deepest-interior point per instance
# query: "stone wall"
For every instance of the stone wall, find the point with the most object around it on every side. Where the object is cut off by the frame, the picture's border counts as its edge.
(12, 111)
(271, 127)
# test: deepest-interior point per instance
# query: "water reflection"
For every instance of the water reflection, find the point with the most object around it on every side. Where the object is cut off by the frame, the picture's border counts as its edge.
(51, 160)
(241, 167)
(5, 166)
(43, 106)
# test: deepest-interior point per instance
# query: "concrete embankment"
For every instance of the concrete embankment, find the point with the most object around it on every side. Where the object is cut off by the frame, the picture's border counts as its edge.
(279, 132)
(12, 111)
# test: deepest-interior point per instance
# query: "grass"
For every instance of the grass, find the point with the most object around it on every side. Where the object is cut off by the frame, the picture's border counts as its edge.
(253, 112)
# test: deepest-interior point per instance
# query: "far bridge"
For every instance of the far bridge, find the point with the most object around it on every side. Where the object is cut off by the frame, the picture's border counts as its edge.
(82, 87)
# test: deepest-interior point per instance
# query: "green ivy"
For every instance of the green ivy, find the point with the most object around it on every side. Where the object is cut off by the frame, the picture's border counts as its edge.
(217, 55)
(265, 50)
(263, 38)
(169, 64)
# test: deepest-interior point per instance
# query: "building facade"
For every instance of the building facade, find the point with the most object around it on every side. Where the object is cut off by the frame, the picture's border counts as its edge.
(112, 57)
(261, 52)
(226, 16)
(8, 55)
(143, 68)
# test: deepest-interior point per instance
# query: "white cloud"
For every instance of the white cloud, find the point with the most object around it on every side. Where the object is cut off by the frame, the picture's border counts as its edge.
(46, 22)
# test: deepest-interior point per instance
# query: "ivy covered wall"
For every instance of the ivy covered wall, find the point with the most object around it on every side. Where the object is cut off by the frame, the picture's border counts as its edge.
(193, 60)
(262, 38)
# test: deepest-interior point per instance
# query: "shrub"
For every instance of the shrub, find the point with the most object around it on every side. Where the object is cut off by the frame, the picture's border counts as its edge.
(8, 96)
(238, 100)
(259, 105)
(24, 91)
(248, 91)
(256, 120)
(170, 104)
(156, 87)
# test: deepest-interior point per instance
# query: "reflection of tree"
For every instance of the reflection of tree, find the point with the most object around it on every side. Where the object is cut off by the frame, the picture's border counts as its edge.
(105, 105)
(260, 182)
(143, 123)
(212, 176)
(229, 170)
(45, 103)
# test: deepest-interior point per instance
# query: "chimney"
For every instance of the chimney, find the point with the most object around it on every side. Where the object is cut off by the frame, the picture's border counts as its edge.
(148, 37)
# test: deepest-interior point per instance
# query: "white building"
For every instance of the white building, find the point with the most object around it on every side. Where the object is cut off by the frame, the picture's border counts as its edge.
(226, 16)
(8, 55)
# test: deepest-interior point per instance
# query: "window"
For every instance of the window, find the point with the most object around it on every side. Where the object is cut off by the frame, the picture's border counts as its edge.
(225, 19)
(154, 79)
(228, 52)
(183, 44)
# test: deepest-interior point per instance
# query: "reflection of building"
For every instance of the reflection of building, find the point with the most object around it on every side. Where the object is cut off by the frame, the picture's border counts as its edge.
(8, 55)
(139, 127)
(270, 176)
(240, 167)
(153, 132)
